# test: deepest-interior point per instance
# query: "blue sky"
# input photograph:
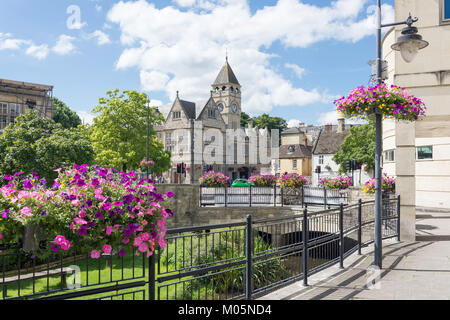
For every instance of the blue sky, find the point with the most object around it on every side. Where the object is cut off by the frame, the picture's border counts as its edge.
(292, 57)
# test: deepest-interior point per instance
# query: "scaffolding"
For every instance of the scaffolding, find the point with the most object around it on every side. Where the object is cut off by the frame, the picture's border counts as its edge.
(17, 97)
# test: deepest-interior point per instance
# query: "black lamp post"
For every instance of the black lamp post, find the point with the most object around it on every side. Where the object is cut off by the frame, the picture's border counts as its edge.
(409, 43)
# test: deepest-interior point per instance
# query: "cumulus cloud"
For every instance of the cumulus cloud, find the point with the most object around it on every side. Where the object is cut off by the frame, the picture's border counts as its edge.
(38, 52)
(102, 38)
(332, 118)
(299, 71)
(293, 123)
(184, 46)
(64, 45)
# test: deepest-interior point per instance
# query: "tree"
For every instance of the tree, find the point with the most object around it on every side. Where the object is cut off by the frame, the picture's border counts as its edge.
(119, 132)
(359, 145)
(64, 115)
(36, 144)
(266, 121)
(244, 119)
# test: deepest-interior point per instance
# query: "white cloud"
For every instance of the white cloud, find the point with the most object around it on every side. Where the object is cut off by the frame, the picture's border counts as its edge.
(187, 47)
(102, 38)
(299, 71)
(293, 123)
(98, 7)
(64, 45)
(86, 117)
(38, 52)
(332, 118)
(153, 80)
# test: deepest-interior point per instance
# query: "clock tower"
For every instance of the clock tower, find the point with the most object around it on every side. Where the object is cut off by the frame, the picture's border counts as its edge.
(226, 92)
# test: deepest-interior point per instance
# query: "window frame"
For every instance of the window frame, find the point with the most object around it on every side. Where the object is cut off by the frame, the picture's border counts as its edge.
(2, 105)
(393, 155)
(442, 18)
(321, 158)
(294, 164)
(417, 153)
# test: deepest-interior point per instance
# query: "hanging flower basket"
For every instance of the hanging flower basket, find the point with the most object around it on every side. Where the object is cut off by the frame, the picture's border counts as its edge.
(339, 183)
(388, 100)
(263, 180)
(387, 185)
(292, 180)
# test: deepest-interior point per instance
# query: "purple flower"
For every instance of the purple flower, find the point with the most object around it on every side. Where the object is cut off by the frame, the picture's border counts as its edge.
(27, 184)
(169, 212)
(18, 173)
(98, 215)
(122, 253)
(5, 214)
(128, 198)
(55, 248)
(89, 202)
(127, 232)
(118, 203)
(106, 206)
(95, 182)
(82, 231)
(129, 208)
(7, 177)
(169, 194)
(43, 181)
(44, 213)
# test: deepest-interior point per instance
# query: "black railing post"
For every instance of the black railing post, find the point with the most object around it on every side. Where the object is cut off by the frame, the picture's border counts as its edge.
(341, 236)
(303, 196)
(325, 198)
(201, 193)
(249, 267)
(274, 196)
(398, 218)
(151, 277)
(226, 196)
(305, 247)
(359, 225)
(282, 196)
(250, 195)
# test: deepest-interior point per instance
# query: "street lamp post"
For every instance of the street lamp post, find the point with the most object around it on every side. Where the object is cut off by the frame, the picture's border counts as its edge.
(409, 43)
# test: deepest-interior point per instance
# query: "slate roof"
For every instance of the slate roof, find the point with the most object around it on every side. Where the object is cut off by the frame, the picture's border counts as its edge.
(292, 131)
(329, 142)
(189, 108)
(300, 151)
(226, 75)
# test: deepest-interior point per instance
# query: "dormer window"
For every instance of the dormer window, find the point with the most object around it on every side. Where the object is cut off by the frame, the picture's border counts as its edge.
(211, 113)
(291, 149)
(176, 115)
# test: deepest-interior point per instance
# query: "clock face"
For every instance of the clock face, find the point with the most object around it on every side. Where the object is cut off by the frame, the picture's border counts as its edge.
(220, 107)
(234, 108)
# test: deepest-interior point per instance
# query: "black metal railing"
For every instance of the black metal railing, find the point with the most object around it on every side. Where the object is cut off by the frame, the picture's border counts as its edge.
(271, 196)
(248, 259)
(239, 260)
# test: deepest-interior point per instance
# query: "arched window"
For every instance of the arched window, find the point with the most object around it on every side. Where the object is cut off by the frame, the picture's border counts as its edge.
(224, 88)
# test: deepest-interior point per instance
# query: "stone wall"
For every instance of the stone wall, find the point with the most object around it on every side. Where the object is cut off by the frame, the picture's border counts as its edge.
(355, 193)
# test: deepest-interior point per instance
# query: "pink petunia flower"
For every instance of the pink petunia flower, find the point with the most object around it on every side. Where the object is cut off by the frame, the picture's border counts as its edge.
(26, 211)
(107, 249)
(95, 254)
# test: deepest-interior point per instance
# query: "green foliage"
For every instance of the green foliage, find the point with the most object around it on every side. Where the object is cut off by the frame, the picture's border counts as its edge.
(64, 115)
(35, 144)
(244, 119)
(266, 121)
(119, 132)
(358, 145)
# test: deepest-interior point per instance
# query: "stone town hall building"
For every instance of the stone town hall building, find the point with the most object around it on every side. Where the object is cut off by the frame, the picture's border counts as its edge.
(192, 130)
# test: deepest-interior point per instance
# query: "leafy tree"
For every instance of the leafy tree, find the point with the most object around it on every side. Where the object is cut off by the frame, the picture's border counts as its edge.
(64, 115)
(358, 145)
(266, 121)
(36, 144)
(119, 132)
(244, 119)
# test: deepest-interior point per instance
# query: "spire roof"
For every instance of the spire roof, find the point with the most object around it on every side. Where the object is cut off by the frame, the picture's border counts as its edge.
(226, 75)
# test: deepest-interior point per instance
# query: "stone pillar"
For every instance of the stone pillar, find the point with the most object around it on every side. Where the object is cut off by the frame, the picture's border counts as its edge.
(405, 167)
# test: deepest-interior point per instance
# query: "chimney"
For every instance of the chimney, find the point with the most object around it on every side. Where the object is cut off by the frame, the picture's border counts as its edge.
(250, 123)
(306, 141)
(328, 127)
(341, 125)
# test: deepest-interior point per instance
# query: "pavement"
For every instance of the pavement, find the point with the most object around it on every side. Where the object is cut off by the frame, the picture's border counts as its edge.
(417, 270)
